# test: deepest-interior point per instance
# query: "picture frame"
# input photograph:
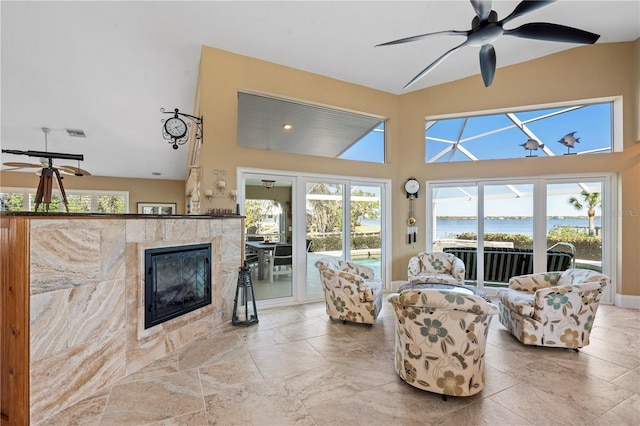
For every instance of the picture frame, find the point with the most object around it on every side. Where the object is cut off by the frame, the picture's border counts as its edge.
(157, 208)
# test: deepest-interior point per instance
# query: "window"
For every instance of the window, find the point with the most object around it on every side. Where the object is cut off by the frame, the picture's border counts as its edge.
(264, 219)
(300, 127)
(585, 128)
(23, 199)
(369, 148)
(502, 229)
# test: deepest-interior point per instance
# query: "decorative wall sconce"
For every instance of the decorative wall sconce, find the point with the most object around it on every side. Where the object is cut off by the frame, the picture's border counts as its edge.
(176, 131)
(268, 183)
(220, 187)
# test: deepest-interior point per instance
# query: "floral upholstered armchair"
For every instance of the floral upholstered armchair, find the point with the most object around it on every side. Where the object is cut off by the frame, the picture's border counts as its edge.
(441, 339)
(436, 267)
(552, 308)
(350, 291)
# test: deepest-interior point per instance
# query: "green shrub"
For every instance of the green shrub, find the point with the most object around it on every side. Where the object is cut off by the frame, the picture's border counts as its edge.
(334, 242)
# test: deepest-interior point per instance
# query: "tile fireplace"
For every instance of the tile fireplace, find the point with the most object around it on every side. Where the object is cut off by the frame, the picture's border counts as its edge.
(177, 281)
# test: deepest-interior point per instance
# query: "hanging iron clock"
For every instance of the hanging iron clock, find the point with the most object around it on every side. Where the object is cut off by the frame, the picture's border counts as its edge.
(411, 187)
(175, 130)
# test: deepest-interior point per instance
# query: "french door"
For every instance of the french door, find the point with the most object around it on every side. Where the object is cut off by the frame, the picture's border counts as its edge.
(344, 219)
(334, 216)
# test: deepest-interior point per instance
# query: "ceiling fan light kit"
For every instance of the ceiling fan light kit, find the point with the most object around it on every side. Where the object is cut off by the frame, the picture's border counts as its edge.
(486, 29)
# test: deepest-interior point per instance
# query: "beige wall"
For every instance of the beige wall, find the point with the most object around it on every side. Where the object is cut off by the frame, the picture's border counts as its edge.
(585, 72)
(140, 190)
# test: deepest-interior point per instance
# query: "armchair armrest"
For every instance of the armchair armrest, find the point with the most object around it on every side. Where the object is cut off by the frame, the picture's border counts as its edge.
(359, 270)
(566, 298)
(413, 268)
(533, 282)
(458, 269)
(365, 289)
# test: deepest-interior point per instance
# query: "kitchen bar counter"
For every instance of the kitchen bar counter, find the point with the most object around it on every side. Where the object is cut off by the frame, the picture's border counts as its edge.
(121, 215)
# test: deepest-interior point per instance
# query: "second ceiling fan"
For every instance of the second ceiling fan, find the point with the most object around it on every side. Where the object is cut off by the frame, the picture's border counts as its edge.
(486, 28)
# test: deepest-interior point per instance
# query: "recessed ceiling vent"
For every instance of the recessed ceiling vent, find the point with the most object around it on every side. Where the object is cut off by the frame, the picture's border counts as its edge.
(76, 133)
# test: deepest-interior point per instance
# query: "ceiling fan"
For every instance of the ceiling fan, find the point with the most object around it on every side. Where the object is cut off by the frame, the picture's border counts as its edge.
(46, 159)
(486, 28)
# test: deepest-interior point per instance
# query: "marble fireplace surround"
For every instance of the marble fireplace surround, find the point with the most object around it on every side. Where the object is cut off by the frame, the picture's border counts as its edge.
(86, 300)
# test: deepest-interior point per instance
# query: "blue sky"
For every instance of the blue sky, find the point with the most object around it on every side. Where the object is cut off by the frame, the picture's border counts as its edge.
(592, 124)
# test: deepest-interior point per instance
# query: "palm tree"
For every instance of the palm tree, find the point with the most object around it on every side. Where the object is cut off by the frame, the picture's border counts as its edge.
(591, 200)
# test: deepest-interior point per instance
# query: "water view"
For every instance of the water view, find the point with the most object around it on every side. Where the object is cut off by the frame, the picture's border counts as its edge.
(449, 227)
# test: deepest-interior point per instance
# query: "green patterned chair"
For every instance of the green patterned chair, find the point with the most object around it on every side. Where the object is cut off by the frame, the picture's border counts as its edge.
(552, 308)
(436, 267)
(350, 291)
(441, 339)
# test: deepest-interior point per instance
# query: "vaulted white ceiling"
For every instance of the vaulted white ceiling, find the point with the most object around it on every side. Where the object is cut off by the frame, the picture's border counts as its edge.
(108, 67)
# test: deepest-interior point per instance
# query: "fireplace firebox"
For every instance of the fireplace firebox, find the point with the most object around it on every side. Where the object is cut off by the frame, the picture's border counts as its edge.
(177, 281)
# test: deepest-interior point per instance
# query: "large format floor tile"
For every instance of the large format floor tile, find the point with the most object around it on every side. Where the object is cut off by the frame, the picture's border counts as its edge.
(298, 367)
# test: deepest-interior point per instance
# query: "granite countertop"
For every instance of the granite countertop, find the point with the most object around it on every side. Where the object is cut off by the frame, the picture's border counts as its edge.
(120, 215)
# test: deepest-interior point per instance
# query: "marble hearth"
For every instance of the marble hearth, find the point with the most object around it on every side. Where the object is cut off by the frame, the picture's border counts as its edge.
(86, 300)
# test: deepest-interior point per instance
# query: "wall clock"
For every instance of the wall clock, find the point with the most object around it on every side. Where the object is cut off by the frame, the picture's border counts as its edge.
(176, 127)
(175, 130)
(411, 187)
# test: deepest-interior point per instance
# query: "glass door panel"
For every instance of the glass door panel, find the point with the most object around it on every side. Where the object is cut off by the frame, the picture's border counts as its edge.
(574, 225)
(507, 232)
(269, 244)
(324, 229)
(455, 225)
(366, 227)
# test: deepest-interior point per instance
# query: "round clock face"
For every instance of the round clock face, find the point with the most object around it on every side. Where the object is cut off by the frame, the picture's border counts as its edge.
(412, 186)
(175, 127)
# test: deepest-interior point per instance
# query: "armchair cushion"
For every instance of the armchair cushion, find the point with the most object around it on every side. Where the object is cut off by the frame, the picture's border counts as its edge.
(436, 267)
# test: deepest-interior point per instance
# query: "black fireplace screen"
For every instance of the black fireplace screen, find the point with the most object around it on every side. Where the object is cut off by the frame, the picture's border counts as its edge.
(177, 281)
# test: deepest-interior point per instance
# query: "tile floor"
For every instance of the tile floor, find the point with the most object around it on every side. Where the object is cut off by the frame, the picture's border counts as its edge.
(297, 367)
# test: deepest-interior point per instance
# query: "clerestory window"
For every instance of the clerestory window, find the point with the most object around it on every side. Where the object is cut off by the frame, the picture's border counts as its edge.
(555, 130)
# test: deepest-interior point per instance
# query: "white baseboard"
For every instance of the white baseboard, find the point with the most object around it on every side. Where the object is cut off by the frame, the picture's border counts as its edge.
(623, 301)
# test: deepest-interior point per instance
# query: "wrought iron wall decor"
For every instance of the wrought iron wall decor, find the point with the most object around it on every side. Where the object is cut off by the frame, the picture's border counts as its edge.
(175, 129)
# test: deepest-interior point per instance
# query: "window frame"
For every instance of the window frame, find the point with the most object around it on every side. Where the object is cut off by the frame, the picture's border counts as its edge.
(610, 222)
(616, 120)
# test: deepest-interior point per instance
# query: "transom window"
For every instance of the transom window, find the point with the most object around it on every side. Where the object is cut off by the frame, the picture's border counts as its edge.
(585, 128)
(296, 126)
